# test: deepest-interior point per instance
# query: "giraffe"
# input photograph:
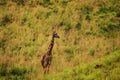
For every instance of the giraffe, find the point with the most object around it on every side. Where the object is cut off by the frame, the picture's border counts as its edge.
(47, 57)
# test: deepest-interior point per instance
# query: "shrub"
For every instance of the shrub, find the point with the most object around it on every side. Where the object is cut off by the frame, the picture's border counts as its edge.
(3, 2)
(24, 19)
(68, 27)
(6, 19)
(88, 17)
(70, 53)
(69, 50)
(20, 2)
(87, 9)
(90, 32)
(15, 73)
(4, 68)
(45, 3)
(92, 52)
(18, 71)
(43, 14)
(67, 24)
(78, 26)
(2, 45)
(3, 71)
(64, 2)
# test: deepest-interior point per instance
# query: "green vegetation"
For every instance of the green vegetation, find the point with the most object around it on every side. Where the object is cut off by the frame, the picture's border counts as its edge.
(88, 48)
(109, 70)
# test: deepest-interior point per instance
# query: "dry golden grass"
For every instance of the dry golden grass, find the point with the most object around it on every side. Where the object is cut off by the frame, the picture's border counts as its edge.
(25, 39)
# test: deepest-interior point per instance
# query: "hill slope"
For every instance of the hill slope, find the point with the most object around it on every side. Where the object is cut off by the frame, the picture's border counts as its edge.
(105, 68)
(89, 31)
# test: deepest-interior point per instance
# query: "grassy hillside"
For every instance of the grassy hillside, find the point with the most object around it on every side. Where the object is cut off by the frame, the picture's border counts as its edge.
(108, 69)
(89, 37)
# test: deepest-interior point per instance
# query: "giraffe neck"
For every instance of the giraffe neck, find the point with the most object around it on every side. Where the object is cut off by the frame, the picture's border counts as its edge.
(51, 46)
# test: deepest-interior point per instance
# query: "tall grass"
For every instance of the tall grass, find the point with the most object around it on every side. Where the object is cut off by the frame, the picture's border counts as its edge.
(88, 30)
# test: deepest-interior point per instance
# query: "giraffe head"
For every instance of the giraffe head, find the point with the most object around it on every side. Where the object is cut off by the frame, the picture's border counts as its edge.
(55, 35)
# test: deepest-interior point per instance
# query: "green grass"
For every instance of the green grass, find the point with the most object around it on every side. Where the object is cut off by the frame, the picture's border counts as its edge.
(89, 35)
(109, 70)
(13, 73)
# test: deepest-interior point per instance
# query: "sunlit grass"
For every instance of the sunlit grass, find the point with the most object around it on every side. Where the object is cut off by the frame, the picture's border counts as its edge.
(88, 30)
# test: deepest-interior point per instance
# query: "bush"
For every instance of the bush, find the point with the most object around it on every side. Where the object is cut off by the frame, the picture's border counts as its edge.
(87, 9)
(92, 52)
(20, 2)
(45, 3)
(67, 24)
(2, 45)
(3, 71)
(78, 26)
(43, 14)
(68, 27)
(9, 71)
(70, 53)
(3, 2)
(90, 32)
(4, 68)
(64, 2)
(24, 19)
(18, 71)
(6, 19)
(88, 17)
